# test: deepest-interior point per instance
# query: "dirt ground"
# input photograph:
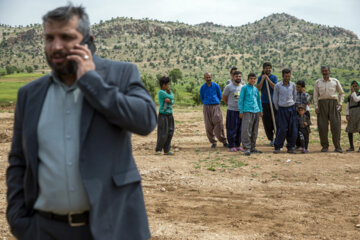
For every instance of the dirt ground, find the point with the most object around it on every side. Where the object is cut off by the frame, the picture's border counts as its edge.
(200, 193)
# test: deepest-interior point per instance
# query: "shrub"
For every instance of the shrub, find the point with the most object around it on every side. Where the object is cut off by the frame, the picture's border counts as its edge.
(196, 96)
(175, 75)
(150, 84)
(2, 71)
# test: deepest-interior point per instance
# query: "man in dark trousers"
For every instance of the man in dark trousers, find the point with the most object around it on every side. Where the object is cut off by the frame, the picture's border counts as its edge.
(71, 171)
(261, 85)
(284, 101)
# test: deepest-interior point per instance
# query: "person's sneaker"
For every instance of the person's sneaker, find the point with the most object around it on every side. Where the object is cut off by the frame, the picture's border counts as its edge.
(232, 149)
(158, 153)
(291, 151)
(271, 143)
(247, 152)
(213, 145)
(324, 149)
(239, 149)
(350, 149)
(255, 151)
(225, 144)
(168, 153)
(276, 151)
(339, 150)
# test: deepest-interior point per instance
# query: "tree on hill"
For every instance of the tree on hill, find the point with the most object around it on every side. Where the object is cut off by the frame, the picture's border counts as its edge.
(175, 75)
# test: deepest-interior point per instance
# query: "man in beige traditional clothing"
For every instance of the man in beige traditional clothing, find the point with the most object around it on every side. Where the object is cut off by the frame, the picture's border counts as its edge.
(328, 100)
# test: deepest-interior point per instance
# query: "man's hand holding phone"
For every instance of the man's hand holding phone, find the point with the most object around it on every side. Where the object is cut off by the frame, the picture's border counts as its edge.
(81, 54)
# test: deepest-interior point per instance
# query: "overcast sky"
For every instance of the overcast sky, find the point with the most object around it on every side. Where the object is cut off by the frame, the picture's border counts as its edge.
(341, 13)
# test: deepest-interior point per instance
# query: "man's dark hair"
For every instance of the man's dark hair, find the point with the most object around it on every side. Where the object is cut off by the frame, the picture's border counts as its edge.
(301, 83)
(251, 75)
(237, 73)
(267, 64)
(64, 14)
(232, 69)
(325, 66)
(286, 70)
(164, 80)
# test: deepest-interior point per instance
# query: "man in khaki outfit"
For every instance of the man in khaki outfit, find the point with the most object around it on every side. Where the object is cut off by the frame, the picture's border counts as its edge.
(328, 100)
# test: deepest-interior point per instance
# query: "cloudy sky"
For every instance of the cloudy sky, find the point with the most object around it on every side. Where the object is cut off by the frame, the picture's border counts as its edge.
(341, 13)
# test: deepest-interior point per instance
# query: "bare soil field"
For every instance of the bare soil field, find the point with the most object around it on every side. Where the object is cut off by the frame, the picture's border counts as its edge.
(203, 193)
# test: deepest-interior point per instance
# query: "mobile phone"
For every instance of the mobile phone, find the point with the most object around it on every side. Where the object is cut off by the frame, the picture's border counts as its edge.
(72, 67)
(90, 42)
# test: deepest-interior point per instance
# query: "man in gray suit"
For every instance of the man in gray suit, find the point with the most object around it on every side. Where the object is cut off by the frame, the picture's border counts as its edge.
(71, 171)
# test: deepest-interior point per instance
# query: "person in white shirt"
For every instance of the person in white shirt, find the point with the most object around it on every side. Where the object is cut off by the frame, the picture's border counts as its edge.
(353, 114)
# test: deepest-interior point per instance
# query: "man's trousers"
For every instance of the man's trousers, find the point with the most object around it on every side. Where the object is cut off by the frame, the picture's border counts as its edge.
(268, 122)
(249, 130)
(328, 112)
(165, 132)
(287, 127)
(233, 128)
(214, 123)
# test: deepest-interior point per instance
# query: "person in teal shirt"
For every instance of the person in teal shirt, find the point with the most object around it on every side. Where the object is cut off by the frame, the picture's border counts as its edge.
(165, 130)
(250, 112)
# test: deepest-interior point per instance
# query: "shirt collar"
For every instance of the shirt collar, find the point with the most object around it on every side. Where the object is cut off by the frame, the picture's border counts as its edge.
(282, 83)
(325, 80)
(57, 81)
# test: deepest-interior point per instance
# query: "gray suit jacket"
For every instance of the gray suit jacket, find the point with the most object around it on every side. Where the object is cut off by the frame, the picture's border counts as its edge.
(115, 104)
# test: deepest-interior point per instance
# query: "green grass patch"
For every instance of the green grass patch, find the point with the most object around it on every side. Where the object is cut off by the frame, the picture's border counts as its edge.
(8, 91)
(218, 163)
(10, 84)
(21, 77)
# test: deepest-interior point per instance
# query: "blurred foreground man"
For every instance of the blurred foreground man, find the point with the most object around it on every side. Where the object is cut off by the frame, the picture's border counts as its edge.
(71, 171)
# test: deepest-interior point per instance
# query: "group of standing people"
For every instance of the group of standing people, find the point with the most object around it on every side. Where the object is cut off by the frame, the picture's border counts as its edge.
(283, 107)
(243, 113)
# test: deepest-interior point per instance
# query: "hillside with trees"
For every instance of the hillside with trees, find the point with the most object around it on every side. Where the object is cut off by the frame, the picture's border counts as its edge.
(158, 47)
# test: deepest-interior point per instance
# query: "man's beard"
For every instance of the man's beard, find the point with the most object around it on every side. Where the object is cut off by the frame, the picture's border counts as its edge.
(69, 68)
(238, 81)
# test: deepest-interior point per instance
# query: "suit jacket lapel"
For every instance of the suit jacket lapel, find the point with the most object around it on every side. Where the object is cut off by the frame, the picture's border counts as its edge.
(87, 110)
(32, 113)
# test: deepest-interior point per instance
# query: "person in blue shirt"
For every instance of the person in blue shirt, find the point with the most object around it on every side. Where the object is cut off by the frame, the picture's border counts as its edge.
(210, 95)
(250, 113)
(261, 85)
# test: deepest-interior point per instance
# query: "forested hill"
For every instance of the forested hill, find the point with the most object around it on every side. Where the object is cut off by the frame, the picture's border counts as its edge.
(157, 47)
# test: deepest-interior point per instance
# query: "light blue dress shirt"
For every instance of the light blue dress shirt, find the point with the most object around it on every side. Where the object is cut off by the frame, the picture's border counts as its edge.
(284, 95)
(61, 190)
